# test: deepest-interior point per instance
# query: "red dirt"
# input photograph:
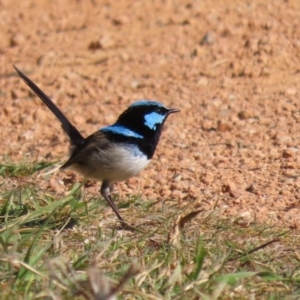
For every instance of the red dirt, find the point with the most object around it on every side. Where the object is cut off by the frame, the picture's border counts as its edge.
(231, 67)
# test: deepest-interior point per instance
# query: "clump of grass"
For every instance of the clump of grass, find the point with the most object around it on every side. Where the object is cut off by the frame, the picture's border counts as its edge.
(22, 170)
(69, 247)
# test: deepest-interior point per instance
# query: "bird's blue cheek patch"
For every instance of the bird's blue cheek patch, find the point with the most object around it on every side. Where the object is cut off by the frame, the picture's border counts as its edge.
(152, 119)
(121, 130)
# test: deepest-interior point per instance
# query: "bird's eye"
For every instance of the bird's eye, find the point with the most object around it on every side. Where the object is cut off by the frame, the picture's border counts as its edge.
(159, 110)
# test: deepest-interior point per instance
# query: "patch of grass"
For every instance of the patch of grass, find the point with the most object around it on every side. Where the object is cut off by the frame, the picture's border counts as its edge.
(21, 170)
(69, 247)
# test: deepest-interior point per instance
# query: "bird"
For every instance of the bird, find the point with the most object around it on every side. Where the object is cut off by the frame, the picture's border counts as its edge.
(116, 152)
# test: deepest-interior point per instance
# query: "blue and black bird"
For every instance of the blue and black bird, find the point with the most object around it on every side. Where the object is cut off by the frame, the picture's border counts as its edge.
(116, 152)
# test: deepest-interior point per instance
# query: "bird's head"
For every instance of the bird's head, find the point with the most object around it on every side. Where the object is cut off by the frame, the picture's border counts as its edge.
(145, 117)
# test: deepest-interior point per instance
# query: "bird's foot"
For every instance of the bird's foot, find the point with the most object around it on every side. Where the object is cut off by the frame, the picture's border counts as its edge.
(124, 226)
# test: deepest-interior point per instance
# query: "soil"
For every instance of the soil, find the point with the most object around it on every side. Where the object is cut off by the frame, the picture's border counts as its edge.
(231, 67)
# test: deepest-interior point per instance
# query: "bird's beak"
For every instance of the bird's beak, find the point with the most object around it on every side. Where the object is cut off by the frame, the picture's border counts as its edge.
(173, 110)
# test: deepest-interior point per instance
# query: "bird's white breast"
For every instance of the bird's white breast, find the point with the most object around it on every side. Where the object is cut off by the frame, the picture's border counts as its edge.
(128, 162)
(118, 163)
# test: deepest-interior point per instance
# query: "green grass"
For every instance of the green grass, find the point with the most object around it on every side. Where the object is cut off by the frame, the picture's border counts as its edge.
(21, 170)
(69, 247)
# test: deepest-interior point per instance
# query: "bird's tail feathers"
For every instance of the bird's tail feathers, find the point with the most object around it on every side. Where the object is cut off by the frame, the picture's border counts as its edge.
(75, 136)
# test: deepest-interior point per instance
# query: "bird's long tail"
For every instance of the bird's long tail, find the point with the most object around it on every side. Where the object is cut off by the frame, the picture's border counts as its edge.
(75, 136)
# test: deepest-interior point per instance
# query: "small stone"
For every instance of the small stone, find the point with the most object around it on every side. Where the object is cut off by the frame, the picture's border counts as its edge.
(207, 125)
(136, 84)
(103, 43)
(40, 114)
(176, 186)
(14, 95)
(125, 56)
(208, 39)
(177, 178)
(28, 135)
(94, 45)
(246, 214)
(285, 193)
(265, 71)
(252, 189)
(177, 194)
(8, 110)
(282, 139)
(165, 193)
(54, 186)
(245, 114)
(287, 153)
(223, 127)
(79, 119)
(106, 42)
(291, 91)
(16, 40)
(231, 189)
(120, 20)
(207, 178)
(226, 82)
(203, 81)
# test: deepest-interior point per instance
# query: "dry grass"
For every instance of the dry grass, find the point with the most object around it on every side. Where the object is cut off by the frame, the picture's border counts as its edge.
(56, 247)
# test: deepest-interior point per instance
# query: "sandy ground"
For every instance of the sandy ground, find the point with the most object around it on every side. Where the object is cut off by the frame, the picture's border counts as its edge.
(232, 67)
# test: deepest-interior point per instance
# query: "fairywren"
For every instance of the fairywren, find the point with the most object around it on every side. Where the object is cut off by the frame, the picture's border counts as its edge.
(116, 152)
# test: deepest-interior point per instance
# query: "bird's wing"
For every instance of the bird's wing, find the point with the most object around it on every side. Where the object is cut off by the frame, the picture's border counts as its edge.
(89, 150)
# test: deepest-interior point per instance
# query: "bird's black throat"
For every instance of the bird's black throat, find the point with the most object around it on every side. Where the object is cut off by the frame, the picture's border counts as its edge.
(146, 145)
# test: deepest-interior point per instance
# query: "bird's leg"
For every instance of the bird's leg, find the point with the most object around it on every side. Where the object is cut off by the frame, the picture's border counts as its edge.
(105, 190)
